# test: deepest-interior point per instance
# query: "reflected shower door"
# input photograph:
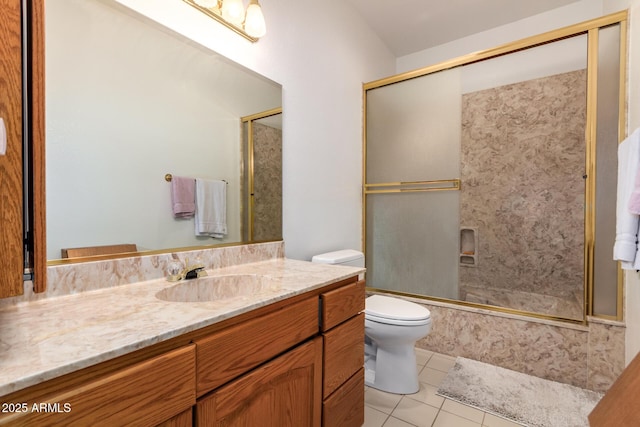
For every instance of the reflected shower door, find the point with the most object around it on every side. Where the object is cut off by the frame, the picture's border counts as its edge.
(262, 217)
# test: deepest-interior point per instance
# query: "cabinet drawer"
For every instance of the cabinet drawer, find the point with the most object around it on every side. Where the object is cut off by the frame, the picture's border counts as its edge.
(345, 408)
(343, 353)
(240, 348)
(341, 304)
(145, 394)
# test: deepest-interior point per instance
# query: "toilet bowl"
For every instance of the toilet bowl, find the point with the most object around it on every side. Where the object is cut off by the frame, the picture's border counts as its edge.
(391, 326)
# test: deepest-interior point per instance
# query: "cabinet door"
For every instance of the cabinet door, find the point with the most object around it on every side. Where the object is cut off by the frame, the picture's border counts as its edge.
(345, 407)
(285, 392)
(11, 259)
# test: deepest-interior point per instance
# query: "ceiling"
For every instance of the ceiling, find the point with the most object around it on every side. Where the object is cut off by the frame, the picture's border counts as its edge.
(408, 26)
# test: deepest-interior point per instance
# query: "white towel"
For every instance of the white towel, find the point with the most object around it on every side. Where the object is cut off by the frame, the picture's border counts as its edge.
(625, 248)
(211, 208)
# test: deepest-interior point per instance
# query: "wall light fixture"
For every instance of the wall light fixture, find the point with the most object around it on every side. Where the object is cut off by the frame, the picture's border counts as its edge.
(248, 23)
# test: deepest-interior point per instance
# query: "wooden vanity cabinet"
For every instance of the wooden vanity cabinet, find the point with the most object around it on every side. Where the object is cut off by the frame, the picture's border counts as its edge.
(147, 393)
(294, 363)
(342, 326)
(318, 382)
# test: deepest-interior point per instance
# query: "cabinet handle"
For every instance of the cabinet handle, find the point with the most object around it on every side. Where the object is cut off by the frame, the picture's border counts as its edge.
(3, 138)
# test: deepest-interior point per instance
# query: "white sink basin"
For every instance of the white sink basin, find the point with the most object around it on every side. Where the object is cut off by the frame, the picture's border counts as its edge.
(218, 288)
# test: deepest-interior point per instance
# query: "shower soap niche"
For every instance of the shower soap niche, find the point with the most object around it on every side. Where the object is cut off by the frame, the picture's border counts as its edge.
(468, 246)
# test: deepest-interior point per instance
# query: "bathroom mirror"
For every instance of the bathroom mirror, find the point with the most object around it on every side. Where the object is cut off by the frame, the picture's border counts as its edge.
(127, 102)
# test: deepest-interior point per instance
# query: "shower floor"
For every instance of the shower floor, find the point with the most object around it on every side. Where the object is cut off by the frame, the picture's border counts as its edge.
(525, 301)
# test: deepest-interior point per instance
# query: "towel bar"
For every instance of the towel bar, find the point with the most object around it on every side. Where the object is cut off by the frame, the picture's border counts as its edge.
(168, 177)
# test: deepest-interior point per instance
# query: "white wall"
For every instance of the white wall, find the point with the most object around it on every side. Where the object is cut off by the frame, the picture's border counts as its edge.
(557, 18)
(321, 52)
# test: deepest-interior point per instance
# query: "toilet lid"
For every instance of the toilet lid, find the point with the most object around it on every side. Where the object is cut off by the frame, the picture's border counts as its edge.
(394, 308)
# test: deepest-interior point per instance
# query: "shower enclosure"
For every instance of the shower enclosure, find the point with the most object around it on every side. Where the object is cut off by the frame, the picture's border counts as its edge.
(490, 178)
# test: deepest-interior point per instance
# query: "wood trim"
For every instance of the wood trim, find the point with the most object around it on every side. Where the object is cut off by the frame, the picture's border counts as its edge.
(98, 250)
(38, 261)
(11, 201)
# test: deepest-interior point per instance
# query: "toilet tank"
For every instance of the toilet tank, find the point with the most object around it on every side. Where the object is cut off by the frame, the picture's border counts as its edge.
(341, 257)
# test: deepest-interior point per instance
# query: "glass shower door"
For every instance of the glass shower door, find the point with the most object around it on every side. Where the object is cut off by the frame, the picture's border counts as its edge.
(412, 171)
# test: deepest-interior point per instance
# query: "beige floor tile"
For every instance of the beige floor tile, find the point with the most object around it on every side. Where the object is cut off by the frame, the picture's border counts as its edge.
(431, 376)
(491, 420)
(394, 422)
(373, 417)
(423, 356)
(383, 402)
(427, 394)
(464, 411)
(446, 419)
(441, 362)
(414, 412)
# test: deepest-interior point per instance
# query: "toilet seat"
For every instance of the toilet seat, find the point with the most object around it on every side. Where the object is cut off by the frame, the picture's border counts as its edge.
(395, 311)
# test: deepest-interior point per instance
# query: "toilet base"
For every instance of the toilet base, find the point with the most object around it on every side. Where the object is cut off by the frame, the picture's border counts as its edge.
(392, 370)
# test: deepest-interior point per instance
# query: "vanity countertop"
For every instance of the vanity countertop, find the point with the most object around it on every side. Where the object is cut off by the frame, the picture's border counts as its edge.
(45, 339)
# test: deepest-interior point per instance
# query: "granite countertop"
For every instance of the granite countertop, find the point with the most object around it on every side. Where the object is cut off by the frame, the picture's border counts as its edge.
(45, 339)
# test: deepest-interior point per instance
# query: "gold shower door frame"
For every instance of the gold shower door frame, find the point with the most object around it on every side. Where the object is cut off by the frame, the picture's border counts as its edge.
(589, 28)
(250, 172)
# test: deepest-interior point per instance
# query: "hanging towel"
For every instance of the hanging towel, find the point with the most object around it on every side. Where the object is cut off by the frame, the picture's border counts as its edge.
(183, 201)
(211, 208)
(625, 248)
(634, 199)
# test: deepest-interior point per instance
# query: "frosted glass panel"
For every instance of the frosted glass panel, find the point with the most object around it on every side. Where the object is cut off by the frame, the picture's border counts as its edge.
(605, 269)
(412, 243)
(413, 129)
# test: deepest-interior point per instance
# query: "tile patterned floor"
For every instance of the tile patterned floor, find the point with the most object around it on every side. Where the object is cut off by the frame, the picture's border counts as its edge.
(425, 408)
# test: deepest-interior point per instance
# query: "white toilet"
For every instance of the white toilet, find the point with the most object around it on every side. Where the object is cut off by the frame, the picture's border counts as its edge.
(391, 326)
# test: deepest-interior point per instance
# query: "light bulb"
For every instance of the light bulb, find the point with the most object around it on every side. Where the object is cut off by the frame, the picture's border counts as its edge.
(233, 11)
(207, 3)
(254, 24)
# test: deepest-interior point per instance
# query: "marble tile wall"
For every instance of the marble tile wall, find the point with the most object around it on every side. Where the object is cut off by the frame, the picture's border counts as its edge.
(585, 356)
(65, 279)
(267, 182)
(522, 161)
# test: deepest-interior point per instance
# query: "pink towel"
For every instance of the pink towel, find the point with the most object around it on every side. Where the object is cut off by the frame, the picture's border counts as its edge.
(183, 201)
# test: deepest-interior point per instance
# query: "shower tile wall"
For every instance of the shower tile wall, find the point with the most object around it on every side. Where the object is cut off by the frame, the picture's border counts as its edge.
(585, 356)
(267, 182)
(522, 165)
